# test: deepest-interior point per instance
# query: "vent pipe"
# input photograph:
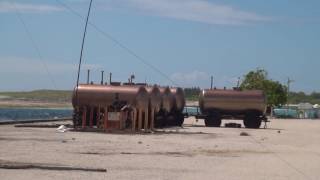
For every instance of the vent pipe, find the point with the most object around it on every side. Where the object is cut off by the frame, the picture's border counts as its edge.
(102, 77)
(88, 76)
(110, 78)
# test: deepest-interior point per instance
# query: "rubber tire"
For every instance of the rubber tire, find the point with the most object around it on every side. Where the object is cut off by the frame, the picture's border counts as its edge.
(159, 121)
(252, 120)
(214, 120)
(179, 119)
(170, 120)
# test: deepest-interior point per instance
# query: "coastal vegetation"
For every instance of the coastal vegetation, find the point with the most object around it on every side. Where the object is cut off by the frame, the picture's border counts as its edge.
(39, 95)
(276, 94)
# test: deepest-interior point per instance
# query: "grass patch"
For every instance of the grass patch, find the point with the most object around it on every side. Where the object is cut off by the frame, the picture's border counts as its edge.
(40, 95)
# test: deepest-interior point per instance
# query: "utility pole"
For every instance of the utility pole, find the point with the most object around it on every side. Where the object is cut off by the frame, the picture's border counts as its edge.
(211, 82)
(238, 83)
(288, 91)
(289, 81)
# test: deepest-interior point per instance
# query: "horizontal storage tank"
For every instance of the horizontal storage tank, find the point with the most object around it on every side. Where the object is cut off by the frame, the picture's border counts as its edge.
(155, 98)
(180, 101)
(105, 95)
(232, 100)
(167, 99)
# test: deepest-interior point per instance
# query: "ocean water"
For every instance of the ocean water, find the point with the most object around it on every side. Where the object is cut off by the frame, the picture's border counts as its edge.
(19, 114)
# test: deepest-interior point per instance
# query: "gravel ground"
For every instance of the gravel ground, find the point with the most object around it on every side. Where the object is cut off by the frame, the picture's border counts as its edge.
(288, 149)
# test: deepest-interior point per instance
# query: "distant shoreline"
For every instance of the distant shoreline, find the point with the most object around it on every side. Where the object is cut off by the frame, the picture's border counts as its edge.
(36, 99)
(46, 99)
(13, 103)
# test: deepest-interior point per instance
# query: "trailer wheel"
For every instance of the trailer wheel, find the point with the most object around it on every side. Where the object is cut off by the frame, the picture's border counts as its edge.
(213, 120)
(159, 121)
(252, 120)
(179, 119)
(170, 120)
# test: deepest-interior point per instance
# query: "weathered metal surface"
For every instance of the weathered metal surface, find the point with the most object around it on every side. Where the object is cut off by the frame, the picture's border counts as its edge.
(167, 99)
(105, 95)
(232, 100)
(127, 106)
(180, 101)
(155, 98)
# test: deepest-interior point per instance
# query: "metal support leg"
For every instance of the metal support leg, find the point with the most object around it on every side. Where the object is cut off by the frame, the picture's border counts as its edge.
(91, 117)
(106, 118)
(134, 120)
(152, 119)
(140, 120)
(146, 120)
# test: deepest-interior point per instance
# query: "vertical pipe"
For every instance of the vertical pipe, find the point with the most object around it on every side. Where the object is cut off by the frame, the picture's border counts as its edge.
(102, 77)
(91, 117)
(146, 119)
(110, 78)
(211, 82)
(106, 118)
(84, 117)
(140, 119)
(88, 76)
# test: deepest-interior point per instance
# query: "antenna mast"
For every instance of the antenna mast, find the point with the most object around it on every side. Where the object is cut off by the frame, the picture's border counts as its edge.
(82, 45)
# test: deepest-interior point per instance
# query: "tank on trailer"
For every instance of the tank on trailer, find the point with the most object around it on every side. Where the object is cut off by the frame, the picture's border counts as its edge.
(249, 105)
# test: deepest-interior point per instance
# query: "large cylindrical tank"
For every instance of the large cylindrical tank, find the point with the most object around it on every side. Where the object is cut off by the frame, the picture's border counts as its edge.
(232, 100)
(105, 95)
(167, 99)
(155, 97)
(179, 97)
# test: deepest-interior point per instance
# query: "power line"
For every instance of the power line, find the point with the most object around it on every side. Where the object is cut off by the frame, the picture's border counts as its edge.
(35, 46)
(128, 50)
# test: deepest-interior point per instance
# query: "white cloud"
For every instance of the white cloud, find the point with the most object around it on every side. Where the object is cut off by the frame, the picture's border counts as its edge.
(194, 78)
(201, 11)
(7, 7)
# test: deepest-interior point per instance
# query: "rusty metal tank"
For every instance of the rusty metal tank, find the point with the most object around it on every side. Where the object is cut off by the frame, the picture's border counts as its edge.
(232, 100)
(155, 97)
(179, 97)
(105, 95)
(167, 99)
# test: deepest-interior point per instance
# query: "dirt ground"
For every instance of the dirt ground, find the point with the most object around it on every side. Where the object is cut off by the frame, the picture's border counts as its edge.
(286, 150)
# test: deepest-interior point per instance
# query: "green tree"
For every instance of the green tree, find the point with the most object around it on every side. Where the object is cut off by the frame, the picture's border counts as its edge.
(276, 93)
(192, 93)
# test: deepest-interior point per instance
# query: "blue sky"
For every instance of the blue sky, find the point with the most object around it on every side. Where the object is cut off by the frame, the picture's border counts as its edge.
(188, 40)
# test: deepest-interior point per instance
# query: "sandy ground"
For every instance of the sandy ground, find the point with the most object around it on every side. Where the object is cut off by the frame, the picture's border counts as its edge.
(288, 149)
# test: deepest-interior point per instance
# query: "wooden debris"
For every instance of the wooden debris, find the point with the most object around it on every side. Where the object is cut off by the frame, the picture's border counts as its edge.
(40, 125)
(48, 167)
